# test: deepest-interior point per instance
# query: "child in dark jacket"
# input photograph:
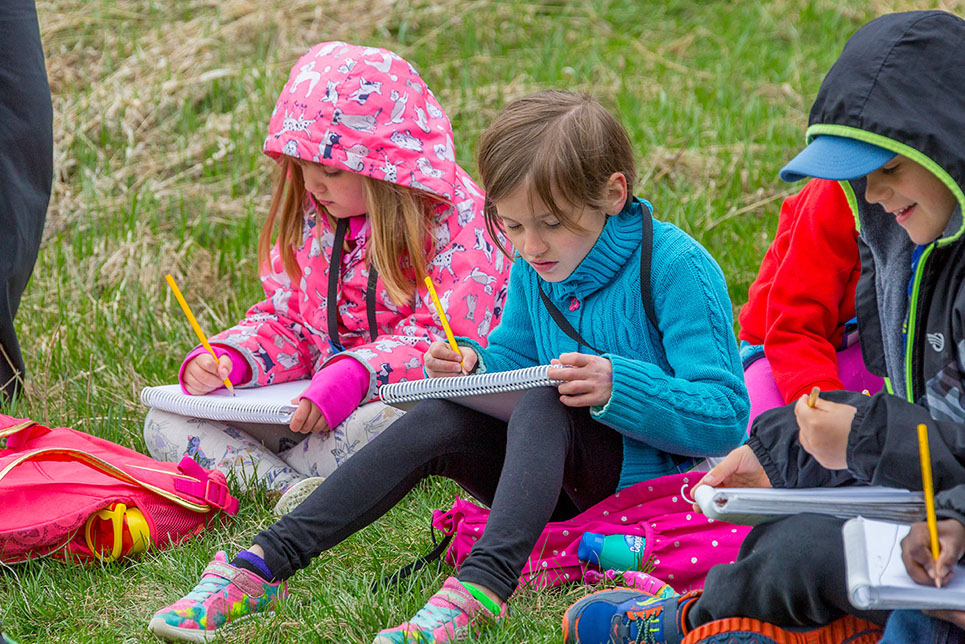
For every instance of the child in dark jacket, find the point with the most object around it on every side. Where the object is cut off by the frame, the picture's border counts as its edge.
(887, 123)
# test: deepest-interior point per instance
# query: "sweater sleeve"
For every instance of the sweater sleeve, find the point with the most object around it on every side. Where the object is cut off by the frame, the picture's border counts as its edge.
(812, 291)
(700, 407)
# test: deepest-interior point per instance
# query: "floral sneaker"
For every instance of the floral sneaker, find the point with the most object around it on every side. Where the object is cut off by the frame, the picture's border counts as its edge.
(224, 595)
(448, 616)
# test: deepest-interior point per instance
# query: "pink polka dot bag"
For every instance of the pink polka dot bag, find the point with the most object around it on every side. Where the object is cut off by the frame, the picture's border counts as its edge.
(681, 545)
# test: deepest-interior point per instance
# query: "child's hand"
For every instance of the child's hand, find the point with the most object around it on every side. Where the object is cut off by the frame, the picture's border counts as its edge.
(740, 468)
(308, 418)
(824, 431)
(916, 551)
(204, 374)
(441, 360)
(589, 382)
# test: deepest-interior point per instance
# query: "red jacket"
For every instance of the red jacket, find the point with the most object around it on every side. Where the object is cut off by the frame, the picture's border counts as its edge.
(804, 293)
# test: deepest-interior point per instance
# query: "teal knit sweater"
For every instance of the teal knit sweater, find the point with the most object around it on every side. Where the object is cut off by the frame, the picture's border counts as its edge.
(682, 395)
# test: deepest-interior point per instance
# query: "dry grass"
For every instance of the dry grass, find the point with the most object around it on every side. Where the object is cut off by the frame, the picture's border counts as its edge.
(131, 70)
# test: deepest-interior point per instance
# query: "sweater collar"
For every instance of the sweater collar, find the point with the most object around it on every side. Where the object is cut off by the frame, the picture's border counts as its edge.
(613, 248)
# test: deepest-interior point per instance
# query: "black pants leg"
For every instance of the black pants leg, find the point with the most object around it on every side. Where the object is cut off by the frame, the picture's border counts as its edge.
(548, 447)
(442, 438)
(26, 169)
(789, 572)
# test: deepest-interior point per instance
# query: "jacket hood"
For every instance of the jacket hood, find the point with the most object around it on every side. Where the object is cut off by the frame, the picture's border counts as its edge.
(899, 84)
(365, 110)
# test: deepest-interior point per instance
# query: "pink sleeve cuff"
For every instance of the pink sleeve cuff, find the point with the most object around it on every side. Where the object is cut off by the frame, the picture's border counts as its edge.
(240, 372)
(338, 389)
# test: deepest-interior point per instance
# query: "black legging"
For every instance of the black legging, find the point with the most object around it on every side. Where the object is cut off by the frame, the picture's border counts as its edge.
(26, 169)
(789, 572)
(518, 469)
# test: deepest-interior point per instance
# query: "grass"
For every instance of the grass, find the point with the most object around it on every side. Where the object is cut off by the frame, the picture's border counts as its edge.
(160, 109)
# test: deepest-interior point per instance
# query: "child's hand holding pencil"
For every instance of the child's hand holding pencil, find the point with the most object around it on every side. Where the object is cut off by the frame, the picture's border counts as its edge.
(204, 374)
(917, 556)
(824, 428)
(441, 360)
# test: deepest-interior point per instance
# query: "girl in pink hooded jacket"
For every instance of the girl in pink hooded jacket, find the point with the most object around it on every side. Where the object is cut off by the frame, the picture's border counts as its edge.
(369, 201)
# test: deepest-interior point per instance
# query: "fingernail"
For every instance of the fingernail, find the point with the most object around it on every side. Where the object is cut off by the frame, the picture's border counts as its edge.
(709, 479)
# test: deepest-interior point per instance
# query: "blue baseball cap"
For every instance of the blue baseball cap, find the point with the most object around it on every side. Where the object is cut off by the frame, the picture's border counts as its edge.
(836, 158)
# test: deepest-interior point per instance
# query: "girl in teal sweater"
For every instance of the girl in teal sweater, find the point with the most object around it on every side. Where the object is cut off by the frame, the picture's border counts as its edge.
(639, 398)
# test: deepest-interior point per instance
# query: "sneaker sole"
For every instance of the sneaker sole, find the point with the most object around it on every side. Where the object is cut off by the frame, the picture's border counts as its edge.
(743, 630)
(297, 493)
(570, 629)
(177, 634)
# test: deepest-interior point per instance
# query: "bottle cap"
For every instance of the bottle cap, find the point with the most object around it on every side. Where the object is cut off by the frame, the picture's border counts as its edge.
(591, 545)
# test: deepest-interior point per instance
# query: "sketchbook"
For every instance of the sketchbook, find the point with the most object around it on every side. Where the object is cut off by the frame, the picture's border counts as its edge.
(750, 506)
(877, 578)
(271, 404)
(495, 394)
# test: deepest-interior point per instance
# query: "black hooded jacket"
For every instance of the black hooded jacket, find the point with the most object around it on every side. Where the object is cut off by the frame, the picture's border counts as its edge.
(898, 84)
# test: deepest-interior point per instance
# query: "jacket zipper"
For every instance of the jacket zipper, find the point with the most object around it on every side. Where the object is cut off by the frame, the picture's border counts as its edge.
(910, 339)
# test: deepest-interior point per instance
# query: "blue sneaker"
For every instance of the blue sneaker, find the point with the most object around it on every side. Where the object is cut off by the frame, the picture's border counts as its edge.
(602, 618)
(651, 620)
(588, 620)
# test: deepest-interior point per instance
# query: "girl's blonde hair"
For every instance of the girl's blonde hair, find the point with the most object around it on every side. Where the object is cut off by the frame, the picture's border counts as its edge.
(399, 218)
(566, 145)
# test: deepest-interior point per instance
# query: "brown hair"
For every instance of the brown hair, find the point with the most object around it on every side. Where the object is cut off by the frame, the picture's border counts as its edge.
(399, 218)
(566, 145)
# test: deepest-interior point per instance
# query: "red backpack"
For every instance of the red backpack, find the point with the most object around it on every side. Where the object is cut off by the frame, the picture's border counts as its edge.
(74, 496)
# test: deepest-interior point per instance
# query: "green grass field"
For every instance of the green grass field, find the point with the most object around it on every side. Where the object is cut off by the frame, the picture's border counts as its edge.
(160, 110)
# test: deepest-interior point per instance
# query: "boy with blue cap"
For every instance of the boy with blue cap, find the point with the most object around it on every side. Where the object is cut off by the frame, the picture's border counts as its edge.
(889, 124)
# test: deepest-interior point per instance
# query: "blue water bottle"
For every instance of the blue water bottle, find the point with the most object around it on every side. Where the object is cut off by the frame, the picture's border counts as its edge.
(614, 551)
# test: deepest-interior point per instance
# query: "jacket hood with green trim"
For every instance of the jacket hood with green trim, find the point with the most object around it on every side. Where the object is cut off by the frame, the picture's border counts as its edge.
(899, 83)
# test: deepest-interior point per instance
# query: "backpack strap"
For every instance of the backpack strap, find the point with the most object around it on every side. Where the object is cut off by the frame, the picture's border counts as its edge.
(211, 492)
(13, 429)
(334, 271)
(646, 257)
(418, 564)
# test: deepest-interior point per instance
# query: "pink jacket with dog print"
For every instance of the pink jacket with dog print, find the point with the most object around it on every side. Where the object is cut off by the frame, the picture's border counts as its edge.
(367, 110)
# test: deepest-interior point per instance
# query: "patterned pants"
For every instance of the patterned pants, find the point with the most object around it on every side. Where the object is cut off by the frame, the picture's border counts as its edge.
(257, 455)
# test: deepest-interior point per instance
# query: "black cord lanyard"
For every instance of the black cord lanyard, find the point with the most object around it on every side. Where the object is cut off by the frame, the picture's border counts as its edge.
(334, 271)
(646, 252)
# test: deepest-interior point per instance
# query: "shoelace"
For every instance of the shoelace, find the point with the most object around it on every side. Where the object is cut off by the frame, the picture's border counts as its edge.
(621, 629)
(206, 587)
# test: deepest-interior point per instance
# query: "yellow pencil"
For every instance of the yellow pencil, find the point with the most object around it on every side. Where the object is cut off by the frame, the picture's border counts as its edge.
(442, 315)
(929, 489)
(194, 325)
(813, 396)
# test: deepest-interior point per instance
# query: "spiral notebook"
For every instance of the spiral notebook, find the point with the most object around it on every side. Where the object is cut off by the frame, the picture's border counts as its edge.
(877, 578)
(271, 404)
(495, 394)
(750, 506)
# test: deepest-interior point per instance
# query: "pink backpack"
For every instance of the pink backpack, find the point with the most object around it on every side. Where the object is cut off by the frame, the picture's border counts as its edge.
(71, 495)
(681, 544)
